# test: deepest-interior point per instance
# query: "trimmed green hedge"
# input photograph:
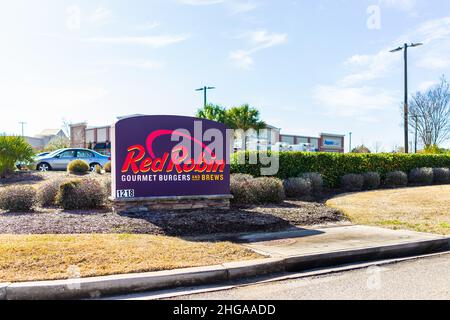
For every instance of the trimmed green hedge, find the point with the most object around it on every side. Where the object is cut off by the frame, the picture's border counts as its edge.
(334, 165)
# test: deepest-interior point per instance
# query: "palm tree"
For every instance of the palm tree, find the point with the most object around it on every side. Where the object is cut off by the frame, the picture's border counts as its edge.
(212, 112)
(244, 117)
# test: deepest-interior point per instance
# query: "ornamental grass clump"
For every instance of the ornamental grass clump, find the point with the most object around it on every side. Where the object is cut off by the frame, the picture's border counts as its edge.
(107, 167)
(247, 190)
(316, 180)
(81, 194)
(78, 167)
(240, 187)
(441, 175)
(268, 190)
(421, 176)
(352, 182)
(396, 179)
(297, 187)
(372, 180)
(17, 198)
(47, 192)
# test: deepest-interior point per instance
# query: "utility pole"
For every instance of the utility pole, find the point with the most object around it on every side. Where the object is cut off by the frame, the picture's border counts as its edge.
(405, 106)
(350, 142)
(415, 134)
(22, 124)
(205, 90)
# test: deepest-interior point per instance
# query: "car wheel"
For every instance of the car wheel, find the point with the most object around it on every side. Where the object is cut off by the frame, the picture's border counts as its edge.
(43, 167)
(93, 165)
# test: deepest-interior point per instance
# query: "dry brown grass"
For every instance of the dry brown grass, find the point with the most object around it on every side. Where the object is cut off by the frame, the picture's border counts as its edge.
(425, 209)
(44, 257)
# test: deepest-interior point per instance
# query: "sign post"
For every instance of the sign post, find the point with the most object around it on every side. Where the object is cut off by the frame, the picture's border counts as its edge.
(169, 162)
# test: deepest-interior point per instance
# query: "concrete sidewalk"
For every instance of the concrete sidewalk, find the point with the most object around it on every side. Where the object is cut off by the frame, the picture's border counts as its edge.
(331, 239)
(293, 250)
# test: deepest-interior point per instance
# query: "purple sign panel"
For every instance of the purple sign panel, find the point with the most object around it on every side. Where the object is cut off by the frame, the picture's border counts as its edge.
(160, 156)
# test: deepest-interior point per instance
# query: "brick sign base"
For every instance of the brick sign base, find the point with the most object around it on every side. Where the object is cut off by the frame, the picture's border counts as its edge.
(137, 205)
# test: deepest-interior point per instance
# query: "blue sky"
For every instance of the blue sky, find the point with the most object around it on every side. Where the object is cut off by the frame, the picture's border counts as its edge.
(309, 66)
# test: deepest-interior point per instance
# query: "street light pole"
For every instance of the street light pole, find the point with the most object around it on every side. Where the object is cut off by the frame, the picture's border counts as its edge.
(350, 142)
(205, 89)
(415, 134)
(405, 106)
(22, 124)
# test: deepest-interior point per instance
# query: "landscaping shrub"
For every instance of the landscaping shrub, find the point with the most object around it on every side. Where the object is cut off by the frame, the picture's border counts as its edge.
(352, 182)
(13, 149)
(47, 192)
(98, 169)
(441, 175)
(297, 187)
(248, 190)
(242, 191)
(396, 179)
(316, 182)
(333, 166)
(107, 186)
(17, 198)
(421, 176)
(267, 190)
(78, 167)
(241, 177)
(80, 194)
(372, 180)
(107, 167)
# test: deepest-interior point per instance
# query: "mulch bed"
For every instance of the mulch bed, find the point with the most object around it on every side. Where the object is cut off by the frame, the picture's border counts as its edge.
(179, 223)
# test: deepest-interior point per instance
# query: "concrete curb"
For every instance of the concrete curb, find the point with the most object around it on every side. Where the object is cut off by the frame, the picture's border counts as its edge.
(96, 287)
(3, 287)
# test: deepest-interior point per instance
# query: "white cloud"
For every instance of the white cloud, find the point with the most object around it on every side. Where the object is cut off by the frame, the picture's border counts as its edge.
(149, 25)
(258, 40)
(369, 67)
(262, 39)
(152, 41)
(354, 101)
(241, 58)
(101, 15)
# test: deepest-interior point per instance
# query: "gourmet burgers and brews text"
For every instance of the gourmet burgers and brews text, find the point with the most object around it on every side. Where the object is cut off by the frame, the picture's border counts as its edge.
(172, 160)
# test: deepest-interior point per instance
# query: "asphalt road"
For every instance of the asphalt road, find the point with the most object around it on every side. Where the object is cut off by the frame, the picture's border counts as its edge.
(425, 278)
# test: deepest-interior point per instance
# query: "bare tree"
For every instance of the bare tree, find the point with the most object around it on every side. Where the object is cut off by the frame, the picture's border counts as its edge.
(66, 127)
(377, 146)
(430, 114)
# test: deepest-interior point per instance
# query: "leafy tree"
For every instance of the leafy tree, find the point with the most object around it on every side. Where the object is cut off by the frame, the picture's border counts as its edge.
(13, 149)
(244, 117)
(430, 114)
(432, 149)
(212, 112)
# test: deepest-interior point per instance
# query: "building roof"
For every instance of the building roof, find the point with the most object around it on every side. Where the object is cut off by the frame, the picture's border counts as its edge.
(48, 132)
